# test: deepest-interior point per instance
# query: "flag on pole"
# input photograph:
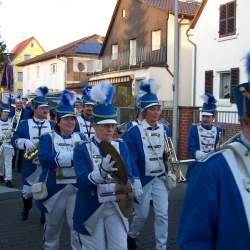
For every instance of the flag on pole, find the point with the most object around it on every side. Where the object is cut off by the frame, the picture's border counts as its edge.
(7, 81)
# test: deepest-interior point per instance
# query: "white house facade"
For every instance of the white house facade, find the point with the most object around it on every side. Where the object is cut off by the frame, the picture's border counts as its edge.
(221, 33)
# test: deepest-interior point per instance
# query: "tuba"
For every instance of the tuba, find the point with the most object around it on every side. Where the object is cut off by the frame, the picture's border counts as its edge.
(124, 195)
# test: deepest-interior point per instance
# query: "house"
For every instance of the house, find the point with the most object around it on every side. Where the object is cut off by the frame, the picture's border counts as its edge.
(139, 44)
(24, 50)
(220, 31)
(65, 67)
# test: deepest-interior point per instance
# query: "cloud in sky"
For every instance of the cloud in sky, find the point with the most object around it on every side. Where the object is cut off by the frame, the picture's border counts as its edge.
(53, 22)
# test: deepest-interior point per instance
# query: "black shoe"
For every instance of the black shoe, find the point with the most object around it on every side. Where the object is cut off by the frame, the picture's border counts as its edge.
(42, 218)
(1, 179)
(25, 214)
(9, 184)
(131, 243)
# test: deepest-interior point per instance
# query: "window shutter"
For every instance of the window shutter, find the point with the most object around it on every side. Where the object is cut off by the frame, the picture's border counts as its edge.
(235, 79)
(209, 79)
(223, 22)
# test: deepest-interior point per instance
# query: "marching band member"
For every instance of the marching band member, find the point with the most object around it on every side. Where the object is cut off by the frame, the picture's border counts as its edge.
(216, 209)
(97, 218)
(84, 121)
(7, 151)
(203, 137)
(56, 158)
(78, 106)
(139, 117)
(146, 142)
(26, 138)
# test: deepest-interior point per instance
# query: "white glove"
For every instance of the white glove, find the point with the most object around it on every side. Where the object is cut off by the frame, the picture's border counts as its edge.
(199, 155)
(107, 166)
(64, 159)
(26, 144)
(96, 177)
(137, 189)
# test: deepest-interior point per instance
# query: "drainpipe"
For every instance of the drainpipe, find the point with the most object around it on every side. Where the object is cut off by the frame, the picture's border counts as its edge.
(195, 65)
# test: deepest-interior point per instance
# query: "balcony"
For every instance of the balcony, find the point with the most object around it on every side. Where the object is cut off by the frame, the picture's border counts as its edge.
(138, 58)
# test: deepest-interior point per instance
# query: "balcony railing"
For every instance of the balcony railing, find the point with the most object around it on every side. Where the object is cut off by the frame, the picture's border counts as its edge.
(135, 59)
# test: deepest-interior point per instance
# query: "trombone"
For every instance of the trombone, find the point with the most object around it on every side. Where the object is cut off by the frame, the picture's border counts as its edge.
(172, 161)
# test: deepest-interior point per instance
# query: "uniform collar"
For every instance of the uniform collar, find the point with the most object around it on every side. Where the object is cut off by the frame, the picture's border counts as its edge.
(90, 119)
(148, 127)
(38, 121)
(4, 120)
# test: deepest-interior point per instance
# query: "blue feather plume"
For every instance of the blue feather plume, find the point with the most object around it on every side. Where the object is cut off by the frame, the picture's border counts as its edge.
(42, 91)
(86, 90)
(149, 86)
(208, 98)
(68, 98)
(102, 93)
(248, 63)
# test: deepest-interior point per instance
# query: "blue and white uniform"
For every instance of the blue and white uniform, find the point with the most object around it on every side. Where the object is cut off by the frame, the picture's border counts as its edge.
(30, 129)
(56, 158)
(92, 214)
(7, 150)
(147, 146)
(216, 210)
(84, 125)
(97, 217)
(202, 139)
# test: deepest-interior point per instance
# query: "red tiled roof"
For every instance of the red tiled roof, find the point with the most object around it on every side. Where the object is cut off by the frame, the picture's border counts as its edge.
(20, 46)
(185, 8)
(65, 50)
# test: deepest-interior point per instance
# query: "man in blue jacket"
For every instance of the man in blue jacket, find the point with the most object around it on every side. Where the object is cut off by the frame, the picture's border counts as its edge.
(146, 142)
(216, 210)
(26, 138)
(203, 137)
(97, 217)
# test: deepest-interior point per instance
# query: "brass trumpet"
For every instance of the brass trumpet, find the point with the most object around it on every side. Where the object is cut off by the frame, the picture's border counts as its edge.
(173, 163)
(32, 154)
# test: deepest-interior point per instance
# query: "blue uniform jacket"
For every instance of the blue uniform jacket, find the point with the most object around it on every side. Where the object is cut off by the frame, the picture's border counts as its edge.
(23, 132)
(134, 141)
(194, 145)
(213, 216)
(86, 199)
(46, 156)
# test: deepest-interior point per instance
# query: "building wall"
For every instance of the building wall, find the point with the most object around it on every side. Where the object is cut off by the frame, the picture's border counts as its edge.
(139, 23)
(220, 54)
(45, 77)
(185, 64)
(35, 51)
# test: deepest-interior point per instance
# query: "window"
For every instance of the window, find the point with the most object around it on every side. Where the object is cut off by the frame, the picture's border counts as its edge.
(156, 40)
(53, 68)
(235, 80)
(123, 13)
(209, 81)
(37, 71)
(20, 76)
(224, 85)
(132, 52)
(26, 57)
(32, 45)
(114, 52)
(227, 19)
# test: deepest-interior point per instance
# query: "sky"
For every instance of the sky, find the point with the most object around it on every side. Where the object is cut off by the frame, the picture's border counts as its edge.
(53, 22)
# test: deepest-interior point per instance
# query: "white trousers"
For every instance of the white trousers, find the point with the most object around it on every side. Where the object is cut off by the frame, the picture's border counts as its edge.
(63, 207)
(6, 162)
(109, 234)
(156, 191)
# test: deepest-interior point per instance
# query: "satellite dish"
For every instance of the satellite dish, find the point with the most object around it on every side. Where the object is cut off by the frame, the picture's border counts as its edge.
(80, 66)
